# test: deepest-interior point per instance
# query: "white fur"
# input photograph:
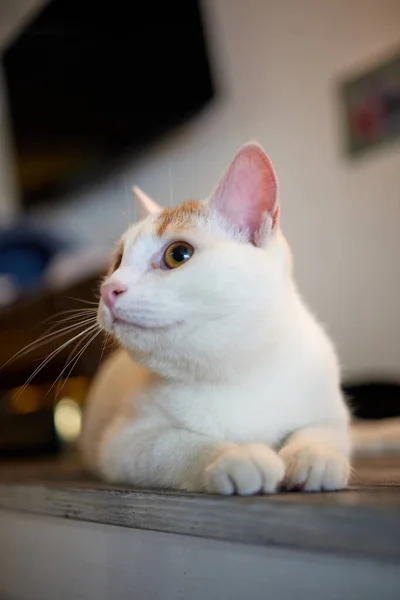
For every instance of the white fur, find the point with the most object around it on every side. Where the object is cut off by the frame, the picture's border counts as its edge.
(238, 389)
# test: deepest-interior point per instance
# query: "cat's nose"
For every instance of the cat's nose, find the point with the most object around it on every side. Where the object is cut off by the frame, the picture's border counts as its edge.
(110, 290)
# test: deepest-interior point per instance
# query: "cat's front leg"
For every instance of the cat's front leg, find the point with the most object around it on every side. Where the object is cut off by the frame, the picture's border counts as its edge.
(168, 457)
(317, 459)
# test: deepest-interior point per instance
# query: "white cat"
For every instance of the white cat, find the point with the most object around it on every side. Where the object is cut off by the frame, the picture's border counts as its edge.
(227, 383)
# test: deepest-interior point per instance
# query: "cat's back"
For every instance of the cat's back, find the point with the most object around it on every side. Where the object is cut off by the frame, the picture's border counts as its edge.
(109, 397)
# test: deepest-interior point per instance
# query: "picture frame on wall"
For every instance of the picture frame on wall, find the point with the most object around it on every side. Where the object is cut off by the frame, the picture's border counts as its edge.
(371, 103)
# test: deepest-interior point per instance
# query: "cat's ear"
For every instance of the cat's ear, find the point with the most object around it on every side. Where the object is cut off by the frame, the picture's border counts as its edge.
(147, 205)
(247, 194)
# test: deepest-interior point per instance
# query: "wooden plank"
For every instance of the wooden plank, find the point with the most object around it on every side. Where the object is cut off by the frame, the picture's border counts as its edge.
(363, 520)
(357, 522)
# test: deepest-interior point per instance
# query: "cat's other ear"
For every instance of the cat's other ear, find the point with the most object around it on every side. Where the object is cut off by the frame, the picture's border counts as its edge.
(247, 194)
(147, 205)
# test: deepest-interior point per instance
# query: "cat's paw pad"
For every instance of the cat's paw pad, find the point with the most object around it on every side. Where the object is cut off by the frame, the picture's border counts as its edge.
(314, 468)
(245, 470)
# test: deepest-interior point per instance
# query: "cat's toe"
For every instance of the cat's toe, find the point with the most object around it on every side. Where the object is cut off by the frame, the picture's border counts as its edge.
(270, 466)
(233, 472)
(314, 468)
(245, 470)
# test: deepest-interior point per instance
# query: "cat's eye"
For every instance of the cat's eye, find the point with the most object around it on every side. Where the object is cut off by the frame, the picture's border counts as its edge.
(177, 254)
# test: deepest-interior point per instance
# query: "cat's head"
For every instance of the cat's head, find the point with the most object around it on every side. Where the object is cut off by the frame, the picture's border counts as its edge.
(198, 286)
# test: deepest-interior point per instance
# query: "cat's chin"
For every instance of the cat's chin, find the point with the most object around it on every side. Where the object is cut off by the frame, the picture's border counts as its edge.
(142, 341)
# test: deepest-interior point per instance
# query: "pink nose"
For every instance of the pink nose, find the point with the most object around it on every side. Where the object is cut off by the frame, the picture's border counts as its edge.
(110, 291)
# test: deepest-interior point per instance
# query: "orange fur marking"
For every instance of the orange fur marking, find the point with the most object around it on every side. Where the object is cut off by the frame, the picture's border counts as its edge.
(180, 217)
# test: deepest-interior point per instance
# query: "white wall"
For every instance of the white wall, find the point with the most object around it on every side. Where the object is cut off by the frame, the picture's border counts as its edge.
(279, 62)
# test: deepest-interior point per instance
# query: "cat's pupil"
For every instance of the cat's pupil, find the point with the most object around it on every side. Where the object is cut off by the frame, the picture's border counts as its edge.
(180, 253)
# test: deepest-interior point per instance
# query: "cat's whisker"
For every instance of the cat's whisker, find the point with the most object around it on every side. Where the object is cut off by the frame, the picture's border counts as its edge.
(52, 355)
(54, 321)
(85, 301)
(51, 336)
(73, 358)
(81, 352)
(73, 312)
(62, 382)
(71, 355)
(68, 321)
(61, 332)
(106, 339)
(74, 317)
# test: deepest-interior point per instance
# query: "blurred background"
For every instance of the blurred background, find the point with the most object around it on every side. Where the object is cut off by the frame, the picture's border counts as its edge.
(98, 96)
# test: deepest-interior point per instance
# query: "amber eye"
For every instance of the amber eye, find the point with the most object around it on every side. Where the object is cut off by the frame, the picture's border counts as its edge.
(177, 253)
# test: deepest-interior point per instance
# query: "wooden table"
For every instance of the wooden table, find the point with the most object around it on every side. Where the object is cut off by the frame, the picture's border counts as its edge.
(71, 536)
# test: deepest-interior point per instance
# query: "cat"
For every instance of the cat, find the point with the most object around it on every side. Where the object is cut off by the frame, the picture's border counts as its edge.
(226, 382)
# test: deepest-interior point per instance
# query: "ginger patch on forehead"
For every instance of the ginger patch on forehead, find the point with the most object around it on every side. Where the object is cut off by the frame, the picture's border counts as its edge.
(179, 218)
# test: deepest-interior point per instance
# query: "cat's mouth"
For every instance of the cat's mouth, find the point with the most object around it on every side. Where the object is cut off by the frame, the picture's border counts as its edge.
(114, 323)
(124, 323)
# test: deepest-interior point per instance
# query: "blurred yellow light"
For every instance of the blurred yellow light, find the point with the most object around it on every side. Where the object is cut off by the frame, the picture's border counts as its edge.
(68, 420)
(26, 400)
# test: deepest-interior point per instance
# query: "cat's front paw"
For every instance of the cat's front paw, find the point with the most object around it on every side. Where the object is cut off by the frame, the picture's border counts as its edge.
(314, 468)
(245, 470)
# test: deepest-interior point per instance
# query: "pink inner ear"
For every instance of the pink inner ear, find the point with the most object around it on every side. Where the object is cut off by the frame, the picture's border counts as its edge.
(248, 190)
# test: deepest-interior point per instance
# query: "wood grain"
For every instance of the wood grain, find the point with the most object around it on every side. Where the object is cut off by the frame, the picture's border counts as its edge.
(363, 520)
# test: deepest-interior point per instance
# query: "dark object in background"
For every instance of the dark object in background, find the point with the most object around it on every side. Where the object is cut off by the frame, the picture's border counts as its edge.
(41, 419)
(373, 399)
(28, 435)
(25, 253)
(88, 80)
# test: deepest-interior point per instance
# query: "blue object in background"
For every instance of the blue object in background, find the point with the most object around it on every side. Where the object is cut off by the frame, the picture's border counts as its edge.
(25, 254)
